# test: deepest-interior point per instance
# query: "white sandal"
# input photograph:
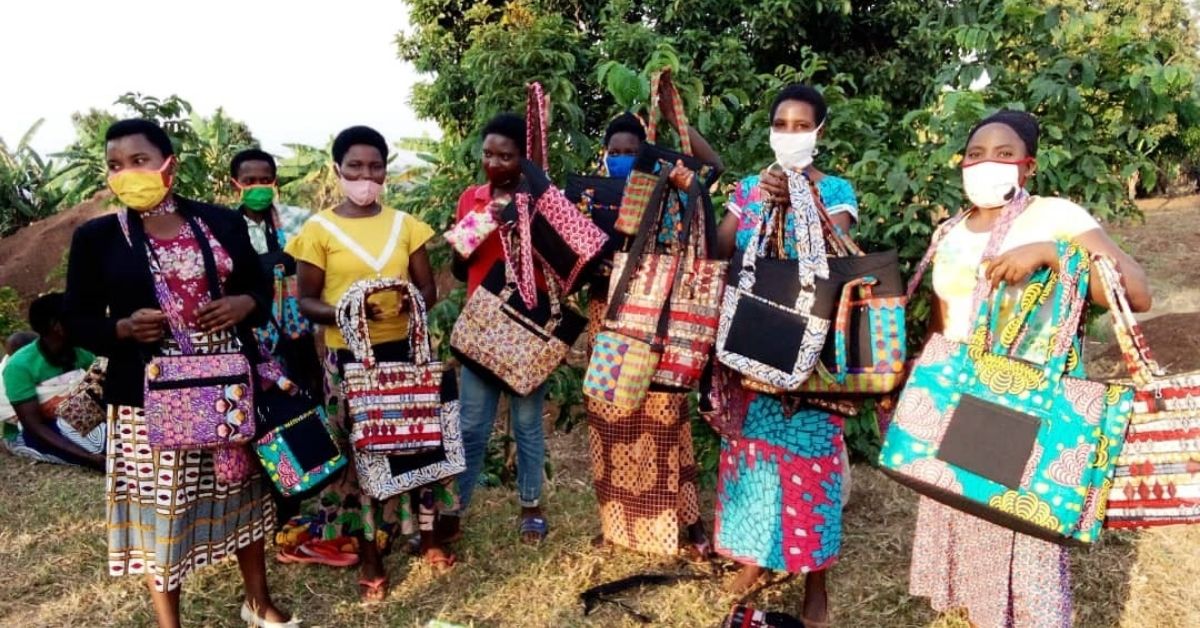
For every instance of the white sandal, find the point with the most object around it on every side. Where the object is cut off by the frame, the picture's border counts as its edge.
(252, 619)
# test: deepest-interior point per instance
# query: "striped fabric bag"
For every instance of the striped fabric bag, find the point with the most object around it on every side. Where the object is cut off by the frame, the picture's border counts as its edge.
(1157, 479)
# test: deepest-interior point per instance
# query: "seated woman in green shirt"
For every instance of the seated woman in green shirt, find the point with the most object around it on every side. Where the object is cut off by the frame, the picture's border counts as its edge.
(43, 437)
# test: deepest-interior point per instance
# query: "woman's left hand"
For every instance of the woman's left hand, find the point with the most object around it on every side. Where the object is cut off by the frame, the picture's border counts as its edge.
(224, 313)
(1015, 266)
(681, 176)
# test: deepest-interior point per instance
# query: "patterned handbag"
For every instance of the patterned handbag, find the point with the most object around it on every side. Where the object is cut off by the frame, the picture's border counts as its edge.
(682, 282)
(563, 238)
(867, 348)
(83, 407)
(653, 161)
(599, 198)
(1025, 445)
(785, 296)
(620, 370)
(297, 450)
(393, 406)
(382, 476)
(196, 400)
(466, 235)
(1157, 478)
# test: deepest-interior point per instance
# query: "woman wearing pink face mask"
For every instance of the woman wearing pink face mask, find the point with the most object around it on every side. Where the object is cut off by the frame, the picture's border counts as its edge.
(361, 239)
(1002, 578)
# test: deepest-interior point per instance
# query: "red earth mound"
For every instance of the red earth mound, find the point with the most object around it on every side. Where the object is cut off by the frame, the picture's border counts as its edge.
(28, 256)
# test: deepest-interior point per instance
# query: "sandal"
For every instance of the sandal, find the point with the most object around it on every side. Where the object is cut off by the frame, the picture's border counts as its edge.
(290, 556)
(536, 525)
(252, 619)
(441, 563)
(374, 590)
(328, 554)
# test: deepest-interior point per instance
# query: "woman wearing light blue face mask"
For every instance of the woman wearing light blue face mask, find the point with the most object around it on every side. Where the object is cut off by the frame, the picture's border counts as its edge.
(782, 477)
(644, 507)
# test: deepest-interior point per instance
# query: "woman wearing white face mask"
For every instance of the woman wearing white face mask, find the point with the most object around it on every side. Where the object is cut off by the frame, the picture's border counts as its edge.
(361, 239)
(1002, 578)
(780, 497)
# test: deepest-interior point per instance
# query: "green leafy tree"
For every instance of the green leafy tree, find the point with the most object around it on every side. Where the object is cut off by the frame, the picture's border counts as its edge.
(26, 190)
(1115, 85)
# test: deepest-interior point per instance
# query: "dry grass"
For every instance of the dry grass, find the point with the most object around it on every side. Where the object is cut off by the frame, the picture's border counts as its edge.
(52, 537)
(53, 544)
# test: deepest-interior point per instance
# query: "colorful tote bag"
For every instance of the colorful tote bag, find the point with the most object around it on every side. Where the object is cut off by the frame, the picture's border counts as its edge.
(297, 450)
(653, 161)
(394, 407)
(382, 476)
(677, 279)
(563, 238)
(620, 370)
(790, 297)
(1027, 446)
(1157, 478)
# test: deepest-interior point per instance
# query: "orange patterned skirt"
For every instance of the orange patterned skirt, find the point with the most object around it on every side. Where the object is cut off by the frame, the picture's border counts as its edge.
(643, 467)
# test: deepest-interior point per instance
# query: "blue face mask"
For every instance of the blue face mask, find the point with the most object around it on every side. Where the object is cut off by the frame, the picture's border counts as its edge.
(619, 166)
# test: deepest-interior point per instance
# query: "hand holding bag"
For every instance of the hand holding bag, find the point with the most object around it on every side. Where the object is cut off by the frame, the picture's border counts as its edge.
(393, 407)
(1023, 445)
(653, 160)
(1157, 476)
(517, 343)
(770, 292)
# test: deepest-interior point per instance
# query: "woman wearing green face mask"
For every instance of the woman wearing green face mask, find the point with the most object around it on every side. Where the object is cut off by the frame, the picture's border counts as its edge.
(272, 225)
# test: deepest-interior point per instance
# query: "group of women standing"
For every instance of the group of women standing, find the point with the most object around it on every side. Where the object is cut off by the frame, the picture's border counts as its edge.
(780, 492)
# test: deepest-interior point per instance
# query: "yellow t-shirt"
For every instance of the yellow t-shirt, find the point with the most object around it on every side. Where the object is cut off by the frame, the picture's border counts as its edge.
(352, 249)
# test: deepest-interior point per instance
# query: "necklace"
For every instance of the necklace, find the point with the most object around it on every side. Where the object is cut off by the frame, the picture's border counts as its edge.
(163, 208)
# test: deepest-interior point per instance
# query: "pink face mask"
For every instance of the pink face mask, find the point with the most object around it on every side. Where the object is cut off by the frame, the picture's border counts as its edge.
(361, 192)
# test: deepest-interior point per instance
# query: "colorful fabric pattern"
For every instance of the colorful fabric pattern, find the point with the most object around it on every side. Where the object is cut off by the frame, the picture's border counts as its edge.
(746, 202)
(779, 491)
(168, 511)
(283, 466)
(198, 401)
(182, 266)
(643, 467)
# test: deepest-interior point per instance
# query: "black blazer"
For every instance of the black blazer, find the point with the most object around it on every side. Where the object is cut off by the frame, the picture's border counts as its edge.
(107, 281)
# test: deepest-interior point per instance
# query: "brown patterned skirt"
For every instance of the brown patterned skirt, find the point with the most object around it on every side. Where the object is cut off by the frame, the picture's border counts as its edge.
(643, 467)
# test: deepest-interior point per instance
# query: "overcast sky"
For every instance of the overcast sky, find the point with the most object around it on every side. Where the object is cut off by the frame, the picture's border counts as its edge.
(295, 71)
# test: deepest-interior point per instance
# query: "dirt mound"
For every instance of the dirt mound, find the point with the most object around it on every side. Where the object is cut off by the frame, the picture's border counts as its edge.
(28, 256)
(1174, 340)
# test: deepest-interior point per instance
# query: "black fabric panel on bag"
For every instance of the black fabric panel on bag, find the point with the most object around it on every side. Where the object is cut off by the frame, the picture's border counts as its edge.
(858, 341)
(990, 440)
(394, 351)
(277, 258)
(310, 442)
(750, 334)
(605, 195)
(449, 386)
(403, 463)
(651, 155)
(883, 266)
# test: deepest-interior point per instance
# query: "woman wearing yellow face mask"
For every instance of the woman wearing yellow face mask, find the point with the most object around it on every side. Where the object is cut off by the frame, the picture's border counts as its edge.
(138, 286)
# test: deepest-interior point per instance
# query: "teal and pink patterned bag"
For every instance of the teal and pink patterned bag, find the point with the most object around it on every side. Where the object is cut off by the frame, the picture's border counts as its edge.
(1028, 446)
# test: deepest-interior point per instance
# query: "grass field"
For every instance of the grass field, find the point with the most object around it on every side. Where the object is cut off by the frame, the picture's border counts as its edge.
(53, 545)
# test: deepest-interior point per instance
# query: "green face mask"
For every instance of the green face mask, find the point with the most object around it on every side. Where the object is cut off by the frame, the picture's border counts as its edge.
(258, 197)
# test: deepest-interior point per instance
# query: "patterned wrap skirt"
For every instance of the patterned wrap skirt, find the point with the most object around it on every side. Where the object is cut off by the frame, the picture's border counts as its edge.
(643, 467)
(343, 510)
(167, 512)
(779, 488)
(1003, 579)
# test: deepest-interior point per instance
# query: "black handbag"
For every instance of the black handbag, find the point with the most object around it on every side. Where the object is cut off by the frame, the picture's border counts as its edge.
(294, 443)
(600, 199)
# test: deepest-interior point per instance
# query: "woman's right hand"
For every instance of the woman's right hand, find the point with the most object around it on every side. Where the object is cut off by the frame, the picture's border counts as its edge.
(145, 325)
(775, 184)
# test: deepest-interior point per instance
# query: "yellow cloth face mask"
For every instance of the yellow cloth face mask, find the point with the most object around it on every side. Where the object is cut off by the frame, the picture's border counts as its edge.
(140, 189)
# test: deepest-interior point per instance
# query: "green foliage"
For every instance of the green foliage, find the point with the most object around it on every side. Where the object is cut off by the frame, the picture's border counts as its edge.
(26, 192)
(12, 315)
(1114, 84)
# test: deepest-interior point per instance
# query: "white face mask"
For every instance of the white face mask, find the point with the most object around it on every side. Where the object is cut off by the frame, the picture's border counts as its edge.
(794, 150)
(991, 184)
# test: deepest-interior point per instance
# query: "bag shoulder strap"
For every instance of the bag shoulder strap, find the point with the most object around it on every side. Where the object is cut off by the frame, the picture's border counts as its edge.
(537, 114)
(389, 248)
(665, 100)
(1142, 366)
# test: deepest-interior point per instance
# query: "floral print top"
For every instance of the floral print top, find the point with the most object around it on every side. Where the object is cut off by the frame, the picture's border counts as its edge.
(747, 200)
(182, 265)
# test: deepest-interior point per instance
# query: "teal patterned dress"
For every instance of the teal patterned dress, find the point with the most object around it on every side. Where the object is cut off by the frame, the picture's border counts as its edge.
(779, 492)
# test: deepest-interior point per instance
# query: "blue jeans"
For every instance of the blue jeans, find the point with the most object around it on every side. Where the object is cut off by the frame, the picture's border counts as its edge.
(479, 398)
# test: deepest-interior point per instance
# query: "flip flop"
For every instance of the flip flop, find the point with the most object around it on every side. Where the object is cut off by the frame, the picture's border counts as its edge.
(442, 563)
(328, 554)
(293, 556)
(374, 590)
(252, 619)
(536, 525)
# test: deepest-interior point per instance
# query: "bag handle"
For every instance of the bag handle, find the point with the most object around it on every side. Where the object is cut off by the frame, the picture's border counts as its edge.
(665, 100)
(810, 246)
(537, 114)
(1068, 300)
(1134, 348)
(353, 321)
(518, 263)
(840, 241)
(553, 293)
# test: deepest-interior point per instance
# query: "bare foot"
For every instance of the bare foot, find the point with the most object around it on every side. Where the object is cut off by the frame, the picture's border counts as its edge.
(745, 580)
